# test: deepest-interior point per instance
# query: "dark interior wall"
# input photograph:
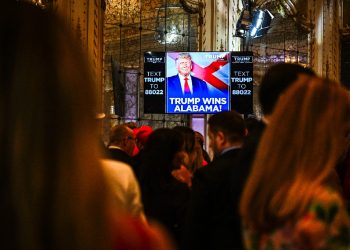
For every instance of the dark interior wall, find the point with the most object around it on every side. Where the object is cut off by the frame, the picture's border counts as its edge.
(345, 46)
(345, 61)
(346, 13)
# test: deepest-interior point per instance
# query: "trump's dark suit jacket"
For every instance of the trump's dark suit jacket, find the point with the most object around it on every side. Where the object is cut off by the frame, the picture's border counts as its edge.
(174, 89)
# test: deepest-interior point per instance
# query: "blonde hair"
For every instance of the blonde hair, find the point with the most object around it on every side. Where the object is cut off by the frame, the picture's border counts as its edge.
(297, 152)
(52, 186)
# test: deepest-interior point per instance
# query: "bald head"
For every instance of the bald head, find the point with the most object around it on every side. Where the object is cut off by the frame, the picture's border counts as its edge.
(123, 137)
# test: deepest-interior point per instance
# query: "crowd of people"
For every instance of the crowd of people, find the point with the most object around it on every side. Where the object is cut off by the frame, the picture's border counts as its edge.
(282, 182)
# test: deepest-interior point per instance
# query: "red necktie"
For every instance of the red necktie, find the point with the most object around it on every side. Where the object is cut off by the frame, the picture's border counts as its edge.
(187, 87)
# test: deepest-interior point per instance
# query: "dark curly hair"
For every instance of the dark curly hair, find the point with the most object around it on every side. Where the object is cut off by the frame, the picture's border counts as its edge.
(158, 154)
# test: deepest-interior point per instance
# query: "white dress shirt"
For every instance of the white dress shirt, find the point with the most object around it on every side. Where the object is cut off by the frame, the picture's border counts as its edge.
(124, 187)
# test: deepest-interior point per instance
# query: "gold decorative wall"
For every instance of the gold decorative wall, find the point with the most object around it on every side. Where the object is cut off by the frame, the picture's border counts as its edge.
(324, 17)
(86, 18)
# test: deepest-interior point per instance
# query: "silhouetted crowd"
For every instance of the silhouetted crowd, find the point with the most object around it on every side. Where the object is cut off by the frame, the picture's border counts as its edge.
(280, 182)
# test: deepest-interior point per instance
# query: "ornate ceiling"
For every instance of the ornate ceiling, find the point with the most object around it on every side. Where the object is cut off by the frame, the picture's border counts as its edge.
(297, 9)
(284, 7)
(288, 7)
(130, 9)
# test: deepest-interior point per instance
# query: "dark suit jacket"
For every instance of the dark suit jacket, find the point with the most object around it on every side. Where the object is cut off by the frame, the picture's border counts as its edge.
(212, 217)
(243, 164)
(246, 157)
(174, 89)
(119, 155)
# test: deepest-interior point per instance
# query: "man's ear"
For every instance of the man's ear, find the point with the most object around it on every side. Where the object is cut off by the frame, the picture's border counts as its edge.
(246, 132)
(220, 137)
(124, 141)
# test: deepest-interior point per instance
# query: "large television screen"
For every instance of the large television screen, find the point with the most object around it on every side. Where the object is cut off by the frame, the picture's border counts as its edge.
(198, 82)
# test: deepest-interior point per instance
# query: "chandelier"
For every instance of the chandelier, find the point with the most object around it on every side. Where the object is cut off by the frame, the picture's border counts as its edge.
(171, 24)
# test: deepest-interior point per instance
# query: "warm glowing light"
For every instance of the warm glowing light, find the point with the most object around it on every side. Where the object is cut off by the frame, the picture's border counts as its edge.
(122, 11)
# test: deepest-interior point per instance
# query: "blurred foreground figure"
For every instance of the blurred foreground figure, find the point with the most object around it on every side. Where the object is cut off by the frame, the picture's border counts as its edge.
(288, 201)
(53, 192)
